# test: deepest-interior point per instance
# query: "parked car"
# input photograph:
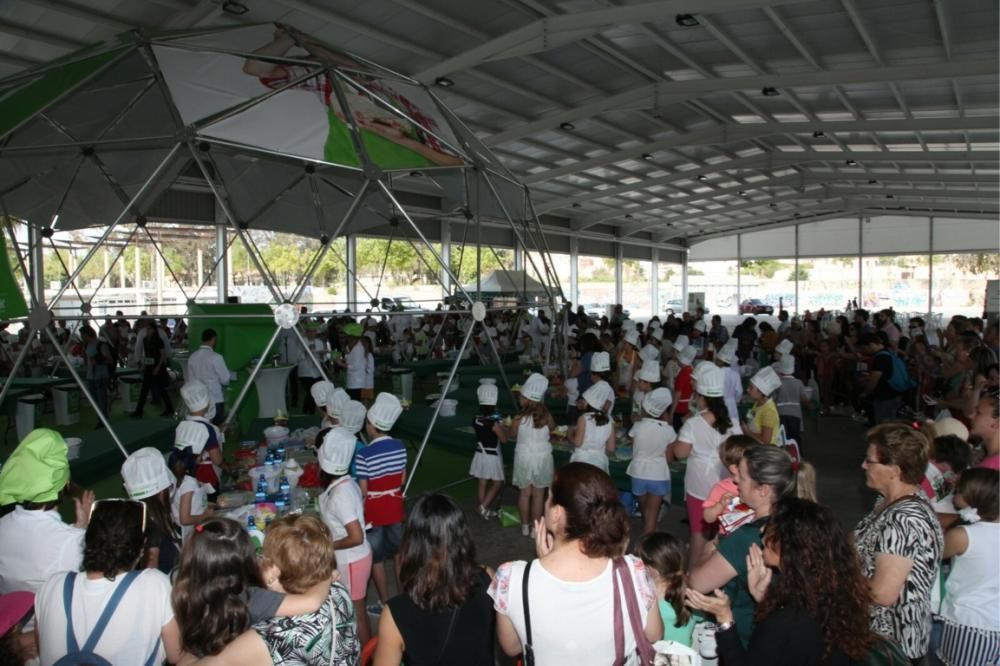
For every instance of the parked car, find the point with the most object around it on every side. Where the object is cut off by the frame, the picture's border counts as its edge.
(404, 302)
(756, 306)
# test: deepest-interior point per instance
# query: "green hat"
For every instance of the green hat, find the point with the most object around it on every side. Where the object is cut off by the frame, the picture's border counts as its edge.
(37, 470)
(354, 330)
(312, 326)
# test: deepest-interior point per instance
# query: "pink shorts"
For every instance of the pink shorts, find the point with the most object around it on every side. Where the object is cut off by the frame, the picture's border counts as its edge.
(696, 514)
(356, 576)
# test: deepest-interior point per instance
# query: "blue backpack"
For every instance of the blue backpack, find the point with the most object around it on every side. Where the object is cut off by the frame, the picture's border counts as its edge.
(900, 381)
(80, 656)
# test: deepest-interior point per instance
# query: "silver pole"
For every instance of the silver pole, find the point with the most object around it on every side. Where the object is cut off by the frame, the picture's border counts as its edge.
(503, 373)
(253, 375)
(437, 409)
(86, 392)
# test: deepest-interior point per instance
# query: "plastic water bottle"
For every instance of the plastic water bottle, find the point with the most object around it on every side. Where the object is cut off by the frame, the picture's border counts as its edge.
(261, 494)
(251, 523)
(269, 458)
(256, 536)
(283, 485)
(279, 456)
(280, 502)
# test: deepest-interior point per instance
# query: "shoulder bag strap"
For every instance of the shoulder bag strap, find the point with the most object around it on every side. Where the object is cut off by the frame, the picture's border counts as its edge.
(109, 610)
(619, 621)
(642, 645)
(71, 644)
(529, 651)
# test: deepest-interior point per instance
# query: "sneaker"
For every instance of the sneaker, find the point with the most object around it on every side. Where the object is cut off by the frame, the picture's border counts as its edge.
(525, 530)
(375, 609)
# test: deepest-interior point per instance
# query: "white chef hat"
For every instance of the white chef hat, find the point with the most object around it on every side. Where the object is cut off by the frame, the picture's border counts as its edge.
(681, 343)
(700, 368)
(352, 416)
(534, 387)
(687, 355)
(766, 380)
(145, 473)
(632, 337)
(195, 395)
(712, 382)
(649, 353)
(600, 362)
(784, 347)
(728, 352)
(656, 402)
(385, 411)
(335, 402)
(487, 394)
(601, 393)
(656, 333)
(337, 450)
(649, 372)
(193, 434)
(320, 392)
(786, 365)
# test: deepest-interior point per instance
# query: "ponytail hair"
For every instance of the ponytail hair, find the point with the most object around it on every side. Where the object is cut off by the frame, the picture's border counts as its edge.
(805, 480)
(599, 415)
(594, 516)
(717, 406)
(181, 462)
(772, 466)
(538, 412)
(664, 554)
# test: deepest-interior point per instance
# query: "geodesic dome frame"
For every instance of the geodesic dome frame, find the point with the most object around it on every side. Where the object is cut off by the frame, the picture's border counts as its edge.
(288, 133)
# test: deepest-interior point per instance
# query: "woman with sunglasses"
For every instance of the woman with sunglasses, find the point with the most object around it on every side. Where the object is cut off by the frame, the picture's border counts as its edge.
(900, 540)
(140, 627)
(815, 611)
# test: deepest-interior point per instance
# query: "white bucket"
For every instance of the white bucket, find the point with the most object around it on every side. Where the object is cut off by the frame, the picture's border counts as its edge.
(491, 381)
(73, 445)
(275, 434)
(448, 407)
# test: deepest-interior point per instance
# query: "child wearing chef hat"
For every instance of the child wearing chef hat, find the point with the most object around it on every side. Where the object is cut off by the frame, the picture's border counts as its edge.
(533, 465)
(648, 469)
(487, 461)
(197, 442)
(762, 422)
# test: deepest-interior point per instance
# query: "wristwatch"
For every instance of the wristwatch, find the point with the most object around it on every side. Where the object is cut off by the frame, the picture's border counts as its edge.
(725, 626)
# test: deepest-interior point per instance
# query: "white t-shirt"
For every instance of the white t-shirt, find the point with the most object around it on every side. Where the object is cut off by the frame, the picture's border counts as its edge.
(35, 545)
(199, 500)
(571, 622)
(733, 392)
(649, 444)
(134, 629)
(972, 593)
(704, 468)
(369, 371)
(339, 505)
(356, 366)
(307, 368)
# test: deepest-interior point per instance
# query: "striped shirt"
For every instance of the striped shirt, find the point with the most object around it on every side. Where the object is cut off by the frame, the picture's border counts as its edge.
(382, 464)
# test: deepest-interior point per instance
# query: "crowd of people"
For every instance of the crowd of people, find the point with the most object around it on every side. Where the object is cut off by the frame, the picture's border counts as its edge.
(766, 574)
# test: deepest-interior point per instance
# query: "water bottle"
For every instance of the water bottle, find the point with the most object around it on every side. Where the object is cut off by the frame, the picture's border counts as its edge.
(280, 502)
(256, 536)
(261, 494)
(283, 486)
(269, 458)
(280, 454)
(251, 523)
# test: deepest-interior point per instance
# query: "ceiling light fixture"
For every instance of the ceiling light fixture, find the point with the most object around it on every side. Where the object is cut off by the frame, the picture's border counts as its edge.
(890, 196)
(647, 156)
(444, 82)
(628, 216)
(703, 178)
(235, 8)
(686, 20)
(742, 193)
(873, 182)
(769, 91)
(818, 134)
(851, 163)
(569, 127)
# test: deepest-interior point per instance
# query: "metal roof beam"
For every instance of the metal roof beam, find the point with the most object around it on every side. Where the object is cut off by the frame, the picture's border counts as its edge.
(551, 32)
(670, 92)
(785, 222)
(750, 131)
(902, 192)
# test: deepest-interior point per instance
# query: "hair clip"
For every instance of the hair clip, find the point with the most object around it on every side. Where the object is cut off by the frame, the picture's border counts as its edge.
(916, 425)
(796, 465)
(200, 527)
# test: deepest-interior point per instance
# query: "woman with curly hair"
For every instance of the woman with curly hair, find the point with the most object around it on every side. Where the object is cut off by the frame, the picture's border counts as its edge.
(70, 607)
(815, 612)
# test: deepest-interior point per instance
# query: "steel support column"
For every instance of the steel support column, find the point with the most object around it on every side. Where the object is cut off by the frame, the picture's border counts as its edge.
(352, 272)
(574, 270)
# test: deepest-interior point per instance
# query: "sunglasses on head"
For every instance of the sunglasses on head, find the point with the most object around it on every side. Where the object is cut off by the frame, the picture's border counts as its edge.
(93, 507)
